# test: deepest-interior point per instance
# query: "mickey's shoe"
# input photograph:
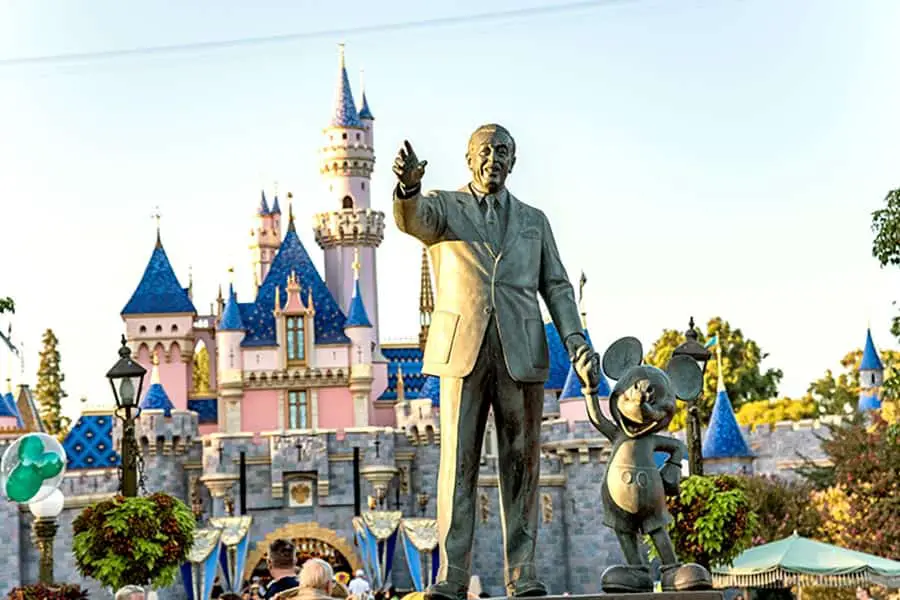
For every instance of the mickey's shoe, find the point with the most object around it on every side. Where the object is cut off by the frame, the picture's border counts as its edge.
(686, 577)
(626, 579)
(446, 590)
(528, 588)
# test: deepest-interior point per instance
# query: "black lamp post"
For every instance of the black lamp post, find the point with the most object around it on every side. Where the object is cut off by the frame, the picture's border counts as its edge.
(127, 378)
(694, 349)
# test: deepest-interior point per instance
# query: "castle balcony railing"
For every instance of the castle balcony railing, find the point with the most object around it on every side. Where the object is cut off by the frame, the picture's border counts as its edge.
(305, 377)
(349, 227)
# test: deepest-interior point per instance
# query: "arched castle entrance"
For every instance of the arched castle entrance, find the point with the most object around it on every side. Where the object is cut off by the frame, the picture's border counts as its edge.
(311, 541)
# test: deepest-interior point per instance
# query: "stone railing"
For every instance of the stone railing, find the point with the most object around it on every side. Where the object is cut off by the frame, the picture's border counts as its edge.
(349, 227)
(306, 377)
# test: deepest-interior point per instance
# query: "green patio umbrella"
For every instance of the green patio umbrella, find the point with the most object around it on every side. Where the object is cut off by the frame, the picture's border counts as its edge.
(800, 561)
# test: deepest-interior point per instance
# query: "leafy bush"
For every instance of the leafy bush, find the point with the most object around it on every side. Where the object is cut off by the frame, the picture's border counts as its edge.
(39, 591)
(133, 541)
(713, 521)
(782, 507)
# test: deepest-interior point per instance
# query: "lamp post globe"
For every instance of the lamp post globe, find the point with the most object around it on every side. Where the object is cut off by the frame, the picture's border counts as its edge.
(43, 530)
(126, 378)
(695, 350)
(48, 508)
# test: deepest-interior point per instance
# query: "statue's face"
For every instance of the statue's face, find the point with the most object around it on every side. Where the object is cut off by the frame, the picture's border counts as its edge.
(491, 157)
(643, 401)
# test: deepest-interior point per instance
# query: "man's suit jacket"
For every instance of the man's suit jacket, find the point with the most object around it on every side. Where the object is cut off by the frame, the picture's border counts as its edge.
(474, 281)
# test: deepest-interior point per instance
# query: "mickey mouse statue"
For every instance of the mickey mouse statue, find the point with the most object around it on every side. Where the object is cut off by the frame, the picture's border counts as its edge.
(634, 489)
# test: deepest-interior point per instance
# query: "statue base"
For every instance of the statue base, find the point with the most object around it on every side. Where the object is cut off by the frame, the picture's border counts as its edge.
(704, 595)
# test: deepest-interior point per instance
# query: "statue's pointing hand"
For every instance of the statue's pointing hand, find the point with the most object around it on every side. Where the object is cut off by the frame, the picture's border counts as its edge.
(407, 168)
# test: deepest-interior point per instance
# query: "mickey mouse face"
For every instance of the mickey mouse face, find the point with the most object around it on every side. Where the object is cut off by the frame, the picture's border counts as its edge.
(643, 400)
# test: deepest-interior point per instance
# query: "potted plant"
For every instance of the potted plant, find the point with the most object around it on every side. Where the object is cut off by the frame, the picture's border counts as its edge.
(40, 591)
(133, 541)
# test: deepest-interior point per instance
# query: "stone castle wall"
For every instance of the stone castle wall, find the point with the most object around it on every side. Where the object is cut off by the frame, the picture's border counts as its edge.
(573, 545)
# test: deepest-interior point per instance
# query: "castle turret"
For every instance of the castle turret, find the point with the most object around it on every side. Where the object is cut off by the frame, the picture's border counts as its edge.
(350, 224)
(265, 238)
(156, 397)
(159, 319)
(365, 115)
(871, 376)
(229, 335)
(725, 450)
(359, 329)
(426, 300)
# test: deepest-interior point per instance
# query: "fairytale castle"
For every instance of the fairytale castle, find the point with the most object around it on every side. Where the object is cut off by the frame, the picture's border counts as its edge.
(287, 386)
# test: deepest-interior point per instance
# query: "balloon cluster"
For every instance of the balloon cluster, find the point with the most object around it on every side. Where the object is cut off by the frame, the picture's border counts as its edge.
(31, 468)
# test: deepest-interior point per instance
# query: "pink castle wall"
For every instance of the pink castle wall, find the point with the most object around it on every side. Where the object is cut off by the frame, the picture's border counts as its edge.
(259, 410)
(174, 374)
(384, 416)
(335, 408)
(575, 410)
(207, 428)
(8, 423)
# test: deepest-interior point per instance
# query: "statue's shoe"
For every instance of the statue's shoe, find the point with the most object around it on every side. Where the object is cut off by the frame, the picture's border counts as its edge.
(686, 577)
(528, 588)
(626, 579)
(446, 590)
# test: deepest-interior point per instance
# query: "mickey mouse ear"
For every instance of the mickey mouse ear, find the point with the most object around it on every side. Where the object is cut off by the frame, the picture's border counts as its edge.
(622, 355)
(686, 377)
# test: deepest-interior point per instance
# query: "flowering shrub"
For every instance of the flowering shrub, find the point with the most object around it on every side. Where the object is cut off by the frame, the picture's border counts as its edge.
(713, 520)
(782, 507)
(133, 541)
(39, 591)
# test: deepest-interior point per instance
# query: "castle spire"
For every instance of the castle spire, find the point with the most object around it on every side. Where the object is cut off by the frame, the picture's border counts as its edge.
(364, 111)
(156, 215)
(721, 385)
(426, 299)
(291, 214)
(263, 204)
(345, 114)
(357, 315)
(401, 385)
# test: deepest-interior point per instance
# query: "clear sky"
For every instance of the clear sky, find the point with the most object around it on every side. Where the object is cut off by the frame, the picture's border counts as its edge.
(695, 157)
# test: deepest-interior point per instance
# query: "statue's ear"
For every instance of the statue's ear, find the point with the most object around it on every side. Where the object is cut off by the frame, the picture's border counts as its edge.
(686, 377)
(624, 354)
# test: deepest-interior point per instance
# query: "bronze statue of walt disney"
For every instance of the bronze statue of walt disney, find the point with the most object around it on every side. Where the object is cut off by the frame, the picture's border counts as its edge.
(634, 488)
(492, 255)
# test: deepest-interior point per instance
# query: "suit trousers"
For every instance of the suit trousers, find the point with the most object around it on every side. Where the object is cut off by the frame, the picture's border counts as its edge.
(518, 409)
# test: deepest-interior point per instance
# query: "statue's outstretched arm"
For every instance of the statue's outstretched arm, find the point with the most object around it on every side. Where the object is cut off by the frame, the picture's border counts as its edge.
(598, 419)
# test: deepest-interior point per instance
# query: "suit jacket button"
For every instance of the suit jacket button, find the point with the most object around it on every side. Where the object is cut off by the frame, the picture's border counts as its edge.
(488, 310)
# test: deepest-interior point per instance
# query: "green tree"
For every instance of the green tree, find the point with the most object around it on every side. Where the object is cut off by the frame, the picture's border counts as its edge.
(837, 394)
(769, 412)
(886, 249)
(200, 371)
(741, 358)
(782, 507)
(7, 305)
(712, 520)
(49, 389)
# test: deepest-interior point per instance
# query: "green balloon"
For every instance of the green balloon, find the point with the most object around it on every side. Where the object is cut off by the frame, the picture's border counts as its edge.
(30, 449)
(49, 465)
(23, 483)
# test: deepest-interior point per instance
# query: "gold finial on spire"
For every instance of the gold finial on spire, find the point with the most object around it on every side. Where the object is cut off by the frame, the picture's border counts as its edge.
(277, 298)
(356, 264)
(231, 275)
(721, 385)
(290, 199)
(156, 215)
(341, 54)
(401, 385)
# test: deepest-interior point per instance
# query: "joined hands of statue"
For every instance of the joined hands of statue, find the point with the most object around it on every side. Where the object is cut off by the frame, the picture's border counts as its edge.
(407, 168)
(586, 363)
(671, 478)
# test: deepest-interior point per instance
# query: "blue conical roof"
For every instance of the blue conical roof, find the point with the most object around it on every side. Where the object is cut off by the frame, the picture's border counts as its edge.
(724, 438)
(156, 398)
(357, 316)
(263, 205)
(159, 291)
(365, 112)
(292, 258)
(572, 387)
(345, 114)
(231, 316)
(431, 389)
(8, 408)
(870, 359)
(276, 210)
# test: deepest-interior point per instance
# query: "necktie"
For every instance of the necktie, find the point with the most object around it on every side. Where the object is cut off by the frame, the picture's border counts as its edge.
(492, 219)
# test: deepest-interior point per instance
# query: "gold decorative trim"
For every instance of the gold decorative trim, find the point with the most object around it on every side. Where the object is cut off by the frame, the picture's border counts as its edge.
(794, 463)
(323, 487)
(302, 530)
(278, 490)
(341, 457)
(549, 480)
(403, 455)
(303, 377)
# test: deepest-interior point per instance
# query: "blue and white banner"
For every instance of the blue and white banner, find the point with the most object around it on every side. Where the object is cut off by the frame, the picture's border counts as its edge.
(420, 548)
(199, 573)
(235, 545)
(376, 534)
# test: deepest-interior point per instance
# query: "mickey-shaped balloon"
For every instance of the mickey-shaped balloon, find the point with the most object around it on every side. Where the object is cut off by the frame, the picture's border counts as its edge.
(32, 467)
(634, 488)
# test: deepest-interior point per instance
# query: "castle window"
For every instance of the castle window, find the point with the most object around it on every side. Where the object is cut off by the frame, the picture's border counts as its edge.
(143, 329)
(159, 329)
(363, 184)
(344, 135)
(357, 136)
(296, 344)
(297, 410)
(174, 328)
(347, 202)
